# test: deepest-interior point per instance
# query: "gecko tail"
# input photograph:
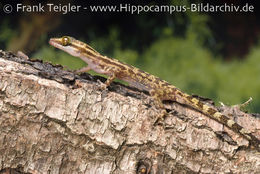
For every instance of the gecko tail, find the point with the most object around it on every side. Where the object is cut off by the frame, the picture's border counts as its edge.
(216, 115)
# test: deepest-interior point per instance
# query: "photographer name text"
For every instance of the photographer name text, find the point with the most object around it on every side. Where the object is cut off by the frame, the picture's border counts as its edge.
(49, 7)
(129, 8)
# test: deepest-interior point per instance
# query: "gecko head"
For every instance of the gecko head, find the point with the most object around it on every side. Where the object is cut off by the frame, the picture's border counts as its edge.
(67, 44)
(62, 41)
(72, 46)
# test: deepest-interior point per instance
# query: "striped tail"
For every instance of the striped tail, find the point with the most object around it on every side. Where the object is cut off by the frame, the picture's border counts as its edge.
(214, 114)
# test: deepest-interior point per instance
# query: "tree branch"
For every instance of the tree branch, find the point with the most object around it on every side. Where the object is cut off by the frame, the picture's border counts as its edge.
(52, 120)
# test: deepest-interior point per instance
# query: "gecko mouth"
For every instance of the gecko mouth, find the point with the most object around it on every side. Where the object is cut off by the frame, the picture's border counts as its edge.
(55, 43)
(52, 42)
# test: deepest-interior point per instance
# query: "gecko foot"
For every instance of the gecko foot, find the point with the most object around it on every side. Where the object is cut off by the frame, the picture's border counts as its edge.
(101, 86)
(160, 117)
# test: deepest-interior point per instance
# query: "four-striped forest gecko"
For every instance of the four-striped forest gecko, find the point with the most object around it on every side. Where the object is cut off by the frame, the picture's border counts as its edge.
(160, 90)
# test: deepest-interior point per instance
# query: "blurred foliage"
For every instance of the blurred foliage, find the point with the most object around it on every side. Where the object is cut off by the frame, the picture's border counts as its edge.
(49, 54)
(6, 32)
(177, 53)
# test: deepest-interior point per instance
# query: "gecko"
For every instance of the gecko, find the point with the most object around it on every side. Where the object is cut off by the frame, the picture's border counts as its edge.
(159, 90)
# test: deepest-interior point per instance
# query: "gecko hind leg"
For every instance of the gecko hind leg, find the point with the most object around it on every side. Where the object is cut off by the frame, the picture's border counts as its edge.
(159, 105)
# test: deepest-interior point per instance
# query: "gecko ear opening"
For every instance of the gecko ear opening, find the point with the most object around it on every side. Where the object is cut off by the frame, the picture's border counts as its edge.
(65, 41)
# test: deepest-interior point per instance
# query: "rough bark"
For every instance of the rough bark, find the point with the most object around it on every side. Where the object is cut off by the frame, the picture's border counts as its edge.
(53, 121)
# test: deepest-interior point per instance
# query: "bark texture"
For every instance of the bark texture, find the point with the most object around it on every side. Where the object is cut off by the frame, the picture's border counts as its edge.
(53, 121)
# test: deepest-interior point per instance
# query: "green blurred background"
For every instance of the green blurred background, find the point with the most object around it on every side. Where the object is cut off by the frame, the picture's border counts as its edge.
(215, 55)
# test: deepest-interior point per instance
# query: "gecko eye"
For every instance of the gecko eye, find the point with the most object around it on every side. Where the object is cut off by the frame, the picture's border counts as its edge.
(65, 41)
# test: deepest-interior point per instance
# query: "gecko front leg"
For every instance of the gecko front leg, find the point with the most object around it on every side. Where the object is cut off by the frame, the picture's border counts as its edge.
(84, 69)
(109, 80)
